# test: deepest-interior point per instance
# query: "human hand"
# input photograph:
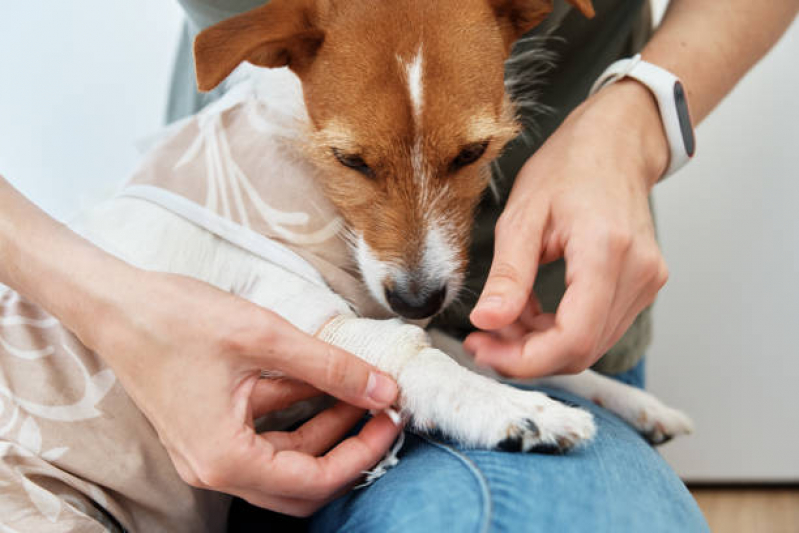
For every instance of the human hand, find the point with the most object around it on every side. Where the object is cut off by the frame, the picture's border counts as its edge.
(584, 197)
(190, 356)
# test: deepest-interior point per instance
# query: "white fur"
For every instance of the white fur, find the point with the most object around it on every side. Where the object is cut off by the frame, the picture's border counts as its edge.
(419, 167)
(435, 390)
(374, 272)
(438, 393)
(414, 73)
(440, 259)
(651, 417)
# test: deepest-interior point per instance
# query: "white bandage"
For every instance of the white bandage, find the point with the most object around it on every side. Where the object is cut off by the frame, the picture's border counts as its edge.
(386, 344)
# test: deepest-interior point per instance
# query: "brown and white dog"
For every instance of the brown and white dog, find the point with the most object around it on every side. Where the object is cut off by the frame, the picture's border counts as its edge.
(403, 107)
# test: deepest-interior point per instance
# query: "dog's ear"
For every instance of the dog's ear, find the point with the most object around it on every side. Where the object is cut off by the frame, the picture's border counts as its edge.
(280, 33)
(586, 7)
(517, 17)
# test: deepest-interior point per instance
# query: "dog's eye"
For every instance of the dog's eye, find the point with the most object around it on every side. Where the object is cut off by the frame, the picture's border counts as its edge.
(468, 155)
(353, 161)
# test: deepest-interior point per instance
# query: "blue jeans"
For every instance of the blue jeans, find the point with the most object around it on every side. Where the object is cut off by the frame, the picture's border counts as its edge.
(616, 484)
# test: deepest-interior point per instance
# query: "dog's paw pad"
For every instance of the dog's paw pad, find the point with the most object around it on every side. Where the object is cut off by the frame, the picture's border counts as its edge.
(558, 429)
(521, 437)
(659, 423)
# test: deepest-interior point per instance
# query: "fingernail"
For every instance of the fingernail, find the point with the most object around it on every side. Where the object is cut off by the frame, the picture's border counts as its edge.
(490, 301)
(380, 388)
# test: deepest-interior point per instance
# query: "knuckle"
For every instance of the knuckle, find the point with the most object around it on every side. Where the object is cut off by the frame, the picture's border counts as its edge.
(650, 261)
(618, 240)
(232, 342)
(508, 221)
(233, 337)
(337, 368)
(298, 438)
(662, 275)
(582, 347)
(259, 329)
(323, 489)
(268, 328)
(614, 235)
(576, 368)
(506, 271)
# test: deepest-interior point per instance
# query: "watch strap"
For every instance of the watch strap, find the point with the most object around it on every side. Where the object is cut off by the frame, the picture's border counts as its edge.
(671, 99)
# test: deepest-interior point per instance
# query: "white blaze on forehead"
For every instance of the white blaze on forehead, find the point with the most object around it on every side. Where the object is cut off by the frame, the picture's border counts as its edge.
(420, 170)
(413, 75)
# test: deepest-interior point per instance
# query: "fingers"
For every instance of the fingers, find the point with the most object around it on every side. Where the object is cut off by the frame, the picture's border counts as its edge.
(294, 474)
(320, 433)
(576, 335)
(315, 437)
(326, 367)
(270, 395)
(517, 250)
(608, 284)
(647, 279)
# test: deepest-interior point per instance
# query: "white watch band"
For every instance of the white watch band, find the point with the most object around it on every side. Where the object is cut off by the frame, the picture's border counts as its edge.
(670, 96)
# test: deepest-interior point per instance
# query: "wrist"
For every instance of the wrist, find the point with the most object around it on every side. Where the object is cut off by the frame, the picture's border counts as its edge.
(636, 109)
(50, 265)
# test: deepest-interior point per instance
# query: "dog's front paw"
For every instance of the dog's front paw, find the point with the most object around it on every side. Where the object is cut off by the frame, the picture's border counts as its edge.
(536, 423)
(487, 414)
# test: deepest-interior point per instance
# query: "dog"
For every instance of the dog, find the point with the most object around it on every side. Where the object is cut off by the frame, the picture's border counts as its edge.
(335, 183)
(397, 129)
(403, 108)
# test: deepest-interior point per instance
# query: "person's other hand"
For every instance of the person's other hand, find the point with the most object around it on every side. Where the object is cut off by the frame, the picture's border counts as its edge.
(584, 197)
(191, 356)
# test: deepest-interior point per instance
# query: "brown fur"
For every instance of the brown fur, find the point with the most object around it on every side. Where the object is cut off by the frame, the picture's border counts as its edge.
(349, 55)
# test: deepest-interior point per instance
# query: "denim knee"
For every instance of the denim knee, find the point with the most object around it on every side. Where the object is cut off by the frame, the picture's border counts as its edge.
(434, 488)
(615, 483)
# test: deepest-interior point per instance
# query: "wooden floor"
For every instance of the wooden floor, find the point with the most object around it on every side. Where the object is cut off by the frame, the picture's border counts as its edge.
(749, 509)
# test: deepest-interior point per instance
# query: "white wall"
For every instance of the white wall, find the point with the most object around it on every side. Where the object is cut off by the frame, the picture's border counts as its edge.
(725, 345)
(82, 80)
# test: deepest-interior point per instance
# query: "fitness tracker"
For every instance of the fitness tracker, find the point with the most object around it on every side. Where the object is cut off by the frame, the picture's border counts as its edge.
(670, 95)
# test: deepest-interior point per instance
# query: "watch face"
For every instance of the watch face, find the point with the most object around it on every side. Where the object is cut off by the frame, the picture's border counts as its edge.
(685, 119)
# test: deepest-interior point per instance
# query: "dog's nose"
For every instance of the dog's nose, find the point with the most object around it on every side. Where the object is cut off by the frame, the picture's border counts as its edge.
(416, 306)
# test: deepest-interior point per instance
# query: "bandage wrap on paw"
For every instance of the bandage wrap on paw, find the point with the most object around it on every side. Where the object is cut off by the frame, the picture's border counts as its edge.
(386, 344)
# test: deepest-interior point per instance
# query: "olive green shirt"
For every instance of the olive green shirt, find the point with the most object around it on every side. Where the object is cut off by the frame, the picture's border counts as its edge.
(583, 49)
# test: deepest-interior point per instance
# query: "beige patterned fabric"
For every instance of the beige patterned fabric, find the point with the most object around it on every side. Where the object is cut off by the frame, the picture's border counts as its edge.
(236, 170)
(76, 454)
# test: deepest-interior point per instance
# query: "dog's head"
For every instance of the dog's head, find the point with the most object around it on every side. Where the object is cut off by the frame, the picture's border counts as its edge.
(407, 107)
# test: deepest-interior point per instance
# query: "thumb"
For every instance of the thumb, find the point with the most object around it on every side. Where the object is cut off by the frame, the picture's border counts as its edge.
(327, 367)
(517, 249)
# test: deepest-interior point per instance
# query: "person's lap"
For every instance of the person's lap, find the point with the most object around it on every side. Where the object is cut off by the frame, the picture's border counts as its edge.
(616, 483)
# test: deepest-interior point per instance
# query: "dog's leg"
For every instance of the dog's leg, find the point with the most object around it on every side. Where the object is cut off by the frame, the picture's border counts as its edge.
(440, 394)
(656, 421)
(435, 391)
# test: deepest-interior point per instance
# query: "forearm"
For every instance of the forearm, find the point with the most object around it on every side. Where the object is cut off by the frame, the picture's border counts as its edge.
(52, 266)
(710, 45)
